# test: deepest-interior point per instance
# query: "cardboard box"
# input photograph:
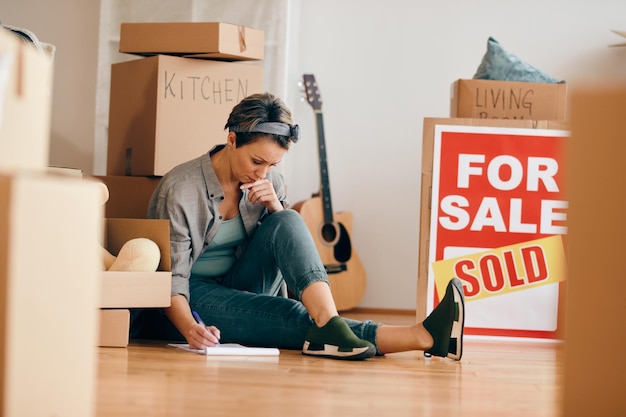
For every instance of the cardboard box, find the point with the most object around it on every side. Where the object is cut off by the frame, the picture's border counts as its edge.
(114, 327)
(128, 196)
(166, 110)
(487, 99)
(208, 40)
(426, 187)
(25, 101)
(50, 227)
(597, 228)
(137, 289)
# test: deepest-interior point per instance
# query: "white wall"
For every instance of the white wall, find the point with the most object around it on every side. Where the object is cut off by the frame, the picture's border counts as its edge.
(384, 66)
(381, 66)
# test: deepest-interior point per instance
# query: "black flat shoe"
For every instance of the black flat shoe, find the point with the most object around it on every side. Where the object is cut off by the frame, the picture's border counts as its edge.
(446, 323)
(335, 340)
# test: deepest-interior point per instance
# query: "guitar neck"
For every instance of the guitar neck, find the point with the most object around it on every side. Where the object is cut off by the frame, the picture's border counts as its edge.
(327, 206)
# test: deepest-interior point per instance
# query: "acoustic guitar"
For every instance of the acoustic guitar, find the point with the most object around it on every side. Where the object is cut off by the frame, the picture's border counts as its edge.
(331, 231)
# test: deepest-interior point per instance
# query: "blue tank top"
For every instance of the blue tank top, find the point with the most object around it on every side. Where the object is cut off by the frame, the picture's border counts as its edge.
(219, 256)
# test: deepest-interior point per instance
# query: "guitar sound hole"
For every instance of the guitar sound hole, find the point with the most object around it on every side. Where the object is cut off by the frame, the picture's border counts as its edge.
(329, 233)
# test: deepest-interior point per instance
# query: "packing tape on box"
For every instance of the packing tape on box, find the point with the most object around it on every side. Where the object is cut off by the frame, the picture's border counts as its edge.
(6, 59)
(20, 71)
(242, 38)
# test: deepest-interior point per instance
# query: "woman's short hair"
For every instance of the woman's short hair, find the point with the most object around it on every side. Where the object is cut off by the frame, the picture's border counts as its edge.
(262, 114)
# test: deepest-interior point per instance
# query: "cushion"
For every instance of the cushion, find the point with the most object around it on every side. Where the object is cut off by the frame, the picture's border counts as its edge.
(499, 64)
(137, 255)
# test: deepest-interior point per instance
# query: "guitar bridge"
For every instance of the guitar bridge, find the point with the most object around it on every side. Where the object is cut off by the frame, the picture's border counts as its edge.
(336, 268)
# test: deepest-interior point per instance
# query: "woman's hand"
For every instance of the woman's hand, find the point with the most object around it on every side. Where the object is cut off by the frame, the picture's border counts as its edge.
(262, 192)
(200, 336)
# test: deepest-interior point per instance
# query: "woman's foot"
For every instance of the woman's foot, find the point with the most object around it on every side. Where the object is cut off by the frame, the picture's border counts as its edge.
(446, 323)
(336, 340)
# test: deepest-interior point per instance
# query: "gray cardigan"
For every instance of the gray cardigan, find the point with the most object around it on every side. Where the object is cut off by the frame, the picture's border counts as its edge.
(189, 197)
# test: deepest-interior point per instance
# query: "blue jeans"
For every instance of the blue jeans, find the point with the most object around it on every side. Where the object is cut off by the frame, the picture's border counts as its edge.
(244, 303)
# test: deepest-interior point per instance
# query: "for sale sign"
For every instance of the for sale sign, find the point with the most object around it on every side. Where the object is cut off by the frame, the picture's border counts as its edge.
(498, 223)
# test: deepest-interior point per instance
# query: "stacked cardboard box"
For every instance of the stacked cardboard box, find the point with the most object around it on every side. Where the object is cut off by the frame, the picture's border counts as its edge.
(50, 227)
(167, 106)
(171, 105)
(492, 99)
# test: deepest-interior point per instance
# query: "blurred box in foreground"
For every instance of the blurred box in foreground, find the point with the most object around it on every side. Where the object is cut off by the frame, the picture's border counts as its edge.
(50, 229)
(25, 101)
(595, 282)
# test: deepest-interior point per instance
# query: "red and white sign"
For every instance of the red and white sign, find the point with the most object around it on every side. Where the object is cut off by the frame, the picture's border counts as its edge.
(498, 223)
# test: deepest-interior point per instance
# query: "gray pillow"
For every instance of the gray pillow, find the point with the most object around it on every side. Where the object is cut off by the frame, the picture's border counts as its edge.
(499, 64)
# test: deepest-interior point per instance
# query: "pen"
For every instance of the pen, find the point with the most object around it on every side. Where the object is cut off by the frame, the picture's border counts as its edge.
(199, 320)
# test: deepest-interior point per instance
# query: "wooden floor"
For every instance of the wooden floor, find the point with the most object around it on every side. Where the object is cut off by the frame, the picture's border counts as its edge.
(493, 379)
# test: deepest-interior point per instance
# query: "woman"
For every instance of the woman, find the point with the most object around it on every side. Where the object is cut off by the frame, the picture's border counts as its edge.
(233, 241)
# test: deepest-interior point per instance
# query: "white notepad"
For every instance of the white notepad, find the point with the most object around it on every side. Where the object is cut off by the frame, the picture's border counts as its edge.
(229, 349)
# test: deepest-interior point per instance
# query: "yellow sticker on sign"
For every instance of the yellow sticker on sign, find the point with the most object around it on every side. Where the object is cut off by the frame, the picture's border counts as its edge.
(504, 270)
